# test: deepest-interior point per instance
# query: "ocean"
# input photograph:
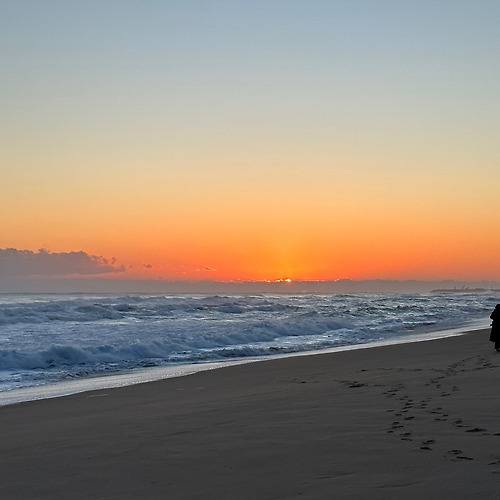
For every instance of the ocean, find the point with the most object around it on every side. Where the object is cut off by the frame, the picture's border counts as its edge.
(59, 344)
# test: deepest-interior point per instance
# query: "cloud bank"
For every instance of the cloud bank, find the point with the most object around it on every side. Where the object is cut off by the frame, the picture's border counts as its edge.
(16, 263)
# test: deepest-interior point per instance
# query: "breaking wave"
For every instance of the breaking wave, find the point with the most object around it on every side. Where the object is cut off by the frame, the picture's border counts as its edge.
(46, 338)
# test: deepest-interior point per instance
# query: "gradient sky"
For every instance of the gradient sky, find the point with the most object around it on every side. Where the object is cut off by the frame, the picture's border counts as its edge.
(254, 139)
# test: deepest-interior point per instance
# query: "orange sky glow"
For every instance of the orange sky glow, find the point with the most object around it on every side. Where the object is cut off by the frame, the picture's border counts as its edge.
(330, 141)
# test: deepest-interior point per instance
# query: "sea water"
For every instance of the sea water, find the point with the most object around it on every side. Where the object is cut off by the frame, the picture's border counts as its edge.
(54, 339)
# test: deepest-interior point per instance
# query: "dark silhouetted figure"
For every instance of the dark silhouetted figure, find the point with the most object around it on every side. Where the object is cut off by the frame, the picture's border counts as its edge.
(495, 327)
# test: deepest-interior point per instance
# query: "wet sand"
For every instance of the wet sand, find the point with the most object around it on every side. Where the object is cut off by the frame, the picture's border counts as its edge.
(406, 421)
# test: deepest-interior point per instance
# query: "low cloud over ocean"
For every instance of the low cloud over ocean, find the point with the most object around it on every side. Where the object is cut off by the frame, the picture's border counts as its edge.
(16, 263)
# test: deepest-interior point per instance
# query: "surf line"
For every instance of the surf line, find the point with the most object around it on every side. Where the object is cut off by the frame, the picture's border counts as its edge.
(145, 375)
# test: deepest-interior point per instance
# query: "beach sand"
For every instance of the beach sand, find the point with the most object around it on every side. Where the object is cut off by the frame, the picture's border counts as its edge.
(412, 421)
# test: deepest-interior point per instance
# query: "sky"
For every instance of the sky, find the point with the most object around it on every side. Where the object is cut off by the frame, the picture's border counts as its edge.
(250, 139)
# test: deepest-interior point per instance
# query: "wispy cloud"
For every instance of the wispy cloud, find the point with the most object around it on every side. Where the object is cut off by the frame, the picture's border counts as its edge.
(16, 263)
(207, 269)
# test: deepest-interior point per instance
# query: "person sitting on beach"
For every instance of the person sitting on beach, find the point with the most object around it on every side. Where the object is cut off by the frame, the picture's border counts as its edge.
(495, 327)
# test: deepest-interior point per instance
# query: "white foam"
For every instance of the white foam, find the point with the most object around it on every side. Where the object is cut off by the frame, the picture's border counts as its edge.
(145, 375)
(48, 339)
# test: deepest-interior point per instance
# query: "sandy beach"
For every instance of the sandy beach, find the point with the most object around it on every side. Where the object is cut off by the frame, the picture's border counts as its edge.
(409, 421)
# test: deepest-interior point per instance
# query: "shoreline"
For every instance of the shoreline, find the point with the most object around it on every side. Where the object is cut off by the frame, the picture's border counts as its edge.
(415, 420)
(153, 374)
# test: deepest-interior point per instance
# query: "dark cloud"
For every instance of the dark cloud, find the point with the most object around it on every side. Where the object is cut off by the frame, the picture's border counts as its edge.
(25, 263)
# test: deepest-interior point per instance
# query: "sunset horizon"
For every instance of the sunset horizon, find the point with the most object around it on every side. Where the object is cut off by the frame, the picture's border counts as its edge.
(250, 141)
(77, 272)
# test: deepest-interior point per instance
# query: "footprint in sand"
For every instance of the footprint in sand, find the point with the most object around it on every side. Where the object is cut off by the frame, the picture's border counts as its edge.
(396, 425)
(457, 455)
(406, 436)
(495, 462)
(426, 444)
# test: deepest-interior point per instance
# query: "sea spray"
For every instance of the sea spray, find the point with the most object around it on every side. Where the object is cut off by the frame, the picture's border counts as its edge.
(49, 338)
